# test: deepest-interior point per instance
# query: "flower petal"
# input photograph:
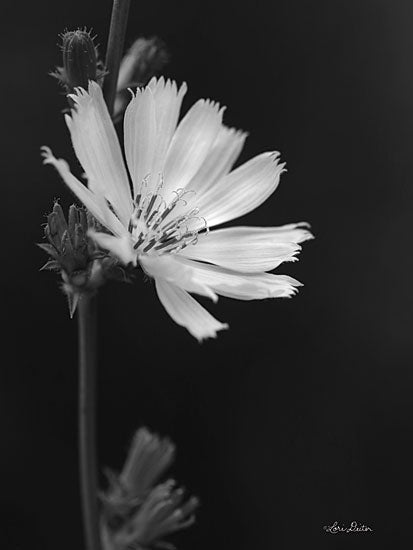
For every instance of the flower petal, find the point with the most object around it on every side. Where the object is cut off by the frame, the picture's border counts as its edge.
(97, 147)
(168, 100)
(241, 190)
(187, 312)
(242, 286)
(165, 267)
(191, 144)
(289, 233)
(140, 136)
(121, 247)
(150, 122)
(94, 202)
(219, 160)
(246, 249)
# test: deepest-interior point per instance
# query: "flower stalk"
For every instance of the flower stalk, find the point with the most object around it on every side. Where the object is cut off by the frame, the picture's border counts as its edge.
(114, 50)
(87, 418)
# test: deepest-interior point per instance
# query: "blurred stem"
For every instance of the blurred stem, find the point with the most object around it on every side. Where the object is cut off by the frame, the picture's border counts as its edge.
(114, 50)
(86, 316)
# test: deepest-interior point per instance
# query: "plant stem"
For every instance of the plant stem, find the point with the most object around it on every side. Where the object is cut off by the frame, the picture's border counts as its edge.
(87, 419)
(87, 321)
(114, 50)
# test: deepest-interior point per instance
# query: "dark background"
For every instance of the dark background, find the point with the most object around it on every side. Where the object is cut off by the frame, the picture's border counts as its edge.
(302, 413)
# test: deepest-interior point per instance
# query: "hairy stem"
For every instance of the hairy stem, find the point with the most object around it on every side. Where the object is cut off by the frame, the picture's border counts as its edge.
(114, 50)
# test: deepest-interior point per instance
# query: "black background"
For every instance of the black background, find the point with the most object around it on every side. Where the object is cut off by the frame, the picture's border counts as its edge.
(302, 413)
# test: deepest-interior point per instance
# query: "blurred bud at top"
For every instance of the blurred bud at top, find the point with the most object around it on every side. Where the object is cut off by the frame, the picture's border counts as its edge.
(83, 267)
(80, 60)
(144, 59)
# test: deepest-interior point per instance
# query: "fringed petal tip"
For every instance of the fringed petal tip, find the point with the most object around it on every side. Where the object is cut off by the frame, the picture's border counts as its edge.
(293, 232)
(48, 158)
(158, 83)
(237, 133)
(307, 235)
(46, 154)
(278, 166)
(212, 106)
(212, 333)
(271, 156)
(187, 312)
(303, 233)
(80, 93)
(290, 288)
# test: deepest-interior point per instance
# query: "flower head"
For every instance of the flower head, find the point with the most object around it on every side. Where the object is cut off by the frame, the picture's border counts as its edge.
(182, 185)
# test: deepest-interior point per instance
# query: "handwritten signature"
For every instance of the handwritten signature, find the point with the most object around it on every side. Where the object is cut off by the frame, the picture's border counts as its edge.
(354, 527)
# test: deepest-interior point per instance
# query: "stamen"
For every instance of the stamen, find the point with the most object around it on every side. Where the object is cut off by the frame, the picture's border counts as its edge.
(155, 213)
(150, 205)
(150, 245)
(147, 224)
(144, 182)
(140, 240)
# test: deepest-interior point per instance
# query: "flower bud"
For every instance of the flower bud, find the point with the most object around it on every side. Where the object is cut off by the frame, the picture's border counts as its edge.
(80, 60)
(148, 458)
(83, 267)
(136, 512)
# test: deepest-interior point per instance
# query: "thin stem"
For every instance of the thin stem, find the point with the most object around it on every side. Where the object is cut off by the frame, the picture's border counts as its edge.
(87, 321)
(114, 50)
(87, 419)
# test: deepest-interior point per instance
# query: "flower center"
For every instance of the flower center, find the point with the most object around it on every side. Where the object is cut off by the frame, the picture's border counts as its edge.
(155, 229)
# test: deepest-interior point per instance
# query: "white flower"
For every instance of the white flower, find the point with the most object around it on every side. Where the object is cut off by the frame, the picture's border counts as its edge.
(182, 185)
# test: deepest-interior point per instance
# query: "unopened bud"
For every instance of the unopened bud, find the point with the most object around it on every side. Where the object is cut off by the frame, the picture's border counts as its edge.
(80, 60)
(82, 266)
(144, 59)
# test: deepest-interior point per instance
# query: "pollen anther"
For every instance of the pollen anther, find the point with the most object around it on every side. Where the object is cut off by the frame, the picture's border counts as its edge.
(150, 230)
